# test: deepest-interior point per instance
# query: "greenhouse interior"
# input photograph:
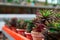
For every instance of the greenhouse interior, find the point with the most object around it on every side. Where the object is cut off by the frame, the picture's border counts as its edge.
(29, 19)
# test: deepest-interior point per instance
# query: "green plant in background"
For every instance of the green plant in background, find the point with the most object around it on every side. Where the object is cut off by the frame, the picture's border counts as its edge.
(57, 15)
(51, 24)
(46, 2)
(16, 1)
(9, 1)
(28, 1)
(54, 26)
(57, 26)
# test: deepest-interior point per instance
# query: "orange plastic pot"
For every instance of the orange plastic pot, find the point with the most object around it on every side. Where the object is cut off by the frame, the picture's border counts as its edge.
(11, 28)
(13, 34)
(28, 35)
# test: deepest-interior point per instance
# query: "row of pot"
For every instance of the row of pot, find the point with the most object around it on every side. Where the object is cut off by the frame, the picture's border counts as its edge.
(32, 33)
(32, 36)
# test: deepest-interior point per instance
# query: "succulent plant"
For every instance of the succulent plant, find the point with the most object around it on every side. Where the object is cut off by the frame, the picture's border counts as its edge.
(57, 26)
(13, 22)
(45, 13)
(39, 27)
(46, 16)
(30, 26)
(57, 15)
(54, 25)
(21, 24)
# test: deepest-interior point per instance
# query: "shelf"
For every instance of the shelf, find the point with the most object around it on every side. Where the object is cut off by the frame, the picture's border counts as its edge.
(18, 5)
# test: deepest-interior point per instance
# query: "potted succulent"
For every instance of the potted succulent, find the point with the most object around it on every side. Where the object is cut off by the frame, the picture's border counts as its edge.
(40, 24)
(37, 32)
(54, 29)
(56, 23)
(12, 23)
(38, 29)
(29, 29)
(21, 27)
(54, 26)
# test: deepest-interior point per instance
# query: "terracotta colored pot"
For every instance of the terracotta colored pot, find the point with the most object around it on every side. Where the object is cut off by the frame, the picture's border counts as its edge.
(28, 35)
(21, 31)
(37, 35)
